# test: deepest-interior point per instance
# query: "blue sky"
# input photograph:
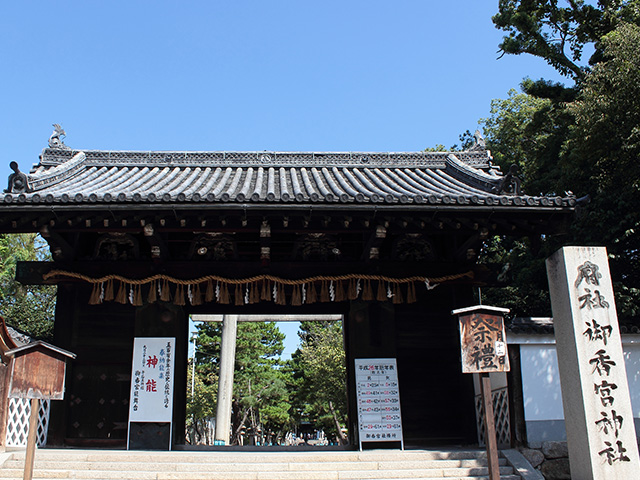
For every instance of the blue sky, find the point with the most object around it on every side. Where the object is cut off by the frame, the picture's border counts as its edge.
(252, 75)
(249, 75)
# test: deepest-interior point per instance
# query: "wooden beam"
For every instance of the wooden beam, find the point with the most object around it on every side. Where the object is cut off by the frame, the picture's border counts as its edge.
(265, 242)
(60, 249)
(159, 250)
(463, 253)
(371, 250)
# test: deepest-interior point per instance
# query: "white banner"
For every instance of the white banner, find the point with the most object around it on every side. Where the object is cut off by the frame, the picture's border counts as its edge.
(151, 397)
(378, 393)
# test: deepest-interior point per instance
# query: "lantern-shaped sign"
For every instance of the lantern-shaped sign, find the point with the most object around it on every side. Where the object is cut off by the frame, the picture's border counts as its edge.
(482, 339)
(38, 371)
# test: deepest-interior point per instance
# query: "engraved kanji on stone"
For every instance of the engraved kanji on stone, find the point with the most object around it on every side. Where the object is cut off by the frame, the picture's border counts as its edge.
(602, 363)
(590, 273)
(610, 424)
(612, 455)
(592, 300)
(595, 331)
(604, 390)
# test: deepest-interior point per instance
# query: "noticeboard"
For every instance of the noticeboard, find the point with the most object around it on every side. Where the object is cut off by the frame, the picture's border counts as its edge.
(152, 370)
(378, 394)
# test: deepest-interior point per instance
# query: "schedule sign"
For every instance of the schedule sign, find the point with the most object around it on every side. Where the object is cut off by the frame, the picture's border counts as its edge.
(378, 392)
(152, 380)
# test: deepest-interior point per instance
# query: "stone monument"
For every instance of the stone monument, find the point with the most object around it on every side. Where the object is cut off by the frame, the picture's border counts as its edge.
(595, 392)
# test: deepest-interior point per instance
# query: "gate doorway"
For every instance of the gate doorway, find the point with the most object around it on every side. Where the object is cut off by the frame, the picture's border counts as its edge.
(267, 380)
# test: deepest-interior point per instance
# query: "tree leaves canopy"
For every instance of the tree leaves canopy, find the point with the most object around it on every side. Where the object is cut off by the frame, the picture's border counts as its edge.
(319, 368)
(29, 308)
(559, 31)
(587, 142)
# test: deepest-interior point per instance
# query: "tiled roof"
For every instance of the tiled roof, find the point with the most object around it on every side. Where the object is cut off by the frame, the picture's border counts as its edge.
(449, 178)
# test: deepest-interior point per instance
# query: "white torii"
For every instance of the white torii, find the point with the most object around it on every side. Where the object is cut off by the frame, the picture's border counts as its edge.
(228, 355)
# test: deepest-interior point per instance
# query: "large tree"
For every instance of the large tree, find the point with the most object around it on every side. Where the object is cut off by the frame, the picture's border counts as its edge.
(604, 146)
(587, 142)
(319, 371)
(29, 308)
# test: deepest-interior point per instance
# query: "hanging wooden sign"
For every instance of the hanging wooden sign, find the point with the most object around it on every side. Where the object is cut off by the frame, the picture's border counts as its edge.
(38, 371)
(482, 339)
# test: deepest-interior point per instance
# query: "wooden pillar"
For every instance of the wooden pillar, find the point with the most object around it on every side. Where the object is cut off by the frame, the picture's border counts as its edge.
(67, 300)
(31, 439)
(516, 399)
(5, 373)
(489, 427)
(225, 383)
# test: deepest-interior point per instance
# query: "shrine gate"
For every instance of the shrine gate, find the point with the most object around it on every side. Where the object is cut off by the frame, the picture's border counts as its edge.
(141, 240)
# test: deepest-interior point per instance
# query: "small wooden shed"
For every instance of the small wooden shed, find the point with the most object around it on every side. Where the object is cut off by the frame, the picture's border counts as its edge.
(38, 371)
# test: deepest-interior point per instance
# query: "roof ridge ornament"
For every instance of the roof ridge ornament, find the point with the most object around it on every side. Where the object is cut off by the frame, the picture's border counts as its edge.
(18, 181)
(55, 140)
(510, 183)
(479, 145)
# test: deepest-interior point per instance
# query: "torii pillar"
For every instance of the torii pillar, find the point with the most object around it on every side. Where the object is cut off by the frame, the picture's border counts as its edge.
(225, 382)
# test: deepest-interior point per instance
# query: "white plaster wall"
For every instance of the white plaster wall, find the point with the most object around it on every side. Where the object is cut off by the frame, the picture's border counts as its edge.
(632, 364)
(541, 381)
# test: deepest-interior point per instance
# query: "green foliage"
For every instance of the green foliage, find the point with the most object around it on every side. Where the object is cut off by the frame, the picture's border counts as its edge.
(320, 374)
(525, 290)
(605, 146)
(200, 407)
(260, 394)
(518, 131)
(588, 141)
(29, 308)
(558, 32)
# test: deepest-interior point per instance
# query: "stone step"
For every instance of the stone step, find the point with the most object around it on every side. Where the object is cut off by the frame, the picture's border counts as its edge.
(370, 465)
(276, 457)
(254, 467)
(328, 475)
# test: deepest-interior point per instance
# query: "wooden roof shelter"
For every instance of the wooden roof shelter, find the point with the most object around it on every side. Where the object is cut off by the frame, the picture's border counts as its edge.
(270, 207)
(361, 234)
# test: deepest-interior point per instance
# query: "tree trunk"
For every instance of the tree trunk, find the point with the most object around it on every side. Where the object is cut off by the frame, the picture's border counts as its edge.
(341, 436)
(235, 439)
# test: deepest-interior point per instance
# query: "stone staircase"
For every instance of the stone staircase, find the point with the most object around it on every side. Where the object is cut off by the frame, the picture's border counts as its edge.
(234, 465)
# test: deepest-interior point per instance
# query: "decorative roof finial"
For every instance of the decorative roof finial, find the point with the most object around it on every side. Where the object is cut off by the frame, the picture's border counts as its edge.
(18, 181)
(55, 140)
(479, 142)
(510, 183)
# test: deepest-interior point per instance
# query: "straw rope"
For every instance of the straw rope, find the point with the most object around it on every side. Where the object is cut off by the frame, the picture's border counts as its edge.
(254, 289)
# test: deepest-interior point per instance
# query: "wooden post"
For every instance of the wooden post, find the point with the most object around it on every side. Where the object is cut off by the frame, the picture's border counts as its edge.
(489, 427)
(484, 350)
(31, 439)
